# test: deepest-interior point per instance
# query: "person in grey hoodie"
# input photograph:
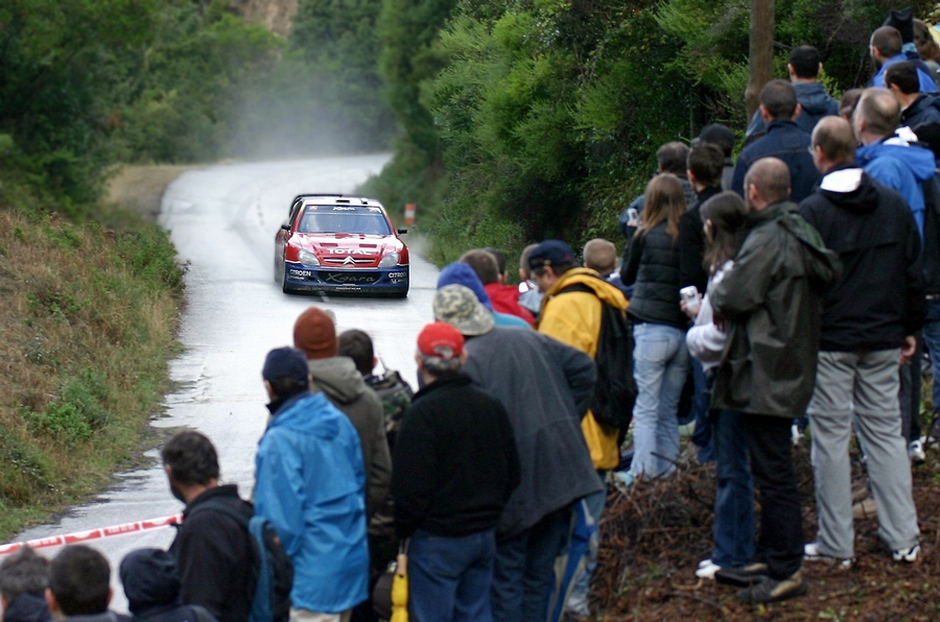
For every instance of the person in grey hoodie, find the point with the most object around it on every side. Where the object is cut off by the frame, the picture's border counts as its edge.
(815, 102)
(341, 382)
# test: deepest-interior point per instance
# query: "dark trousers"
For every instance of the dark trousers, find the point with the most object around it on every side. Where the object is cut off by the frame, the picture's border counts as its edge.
(780, 542)
(523, 576)
(909, 395)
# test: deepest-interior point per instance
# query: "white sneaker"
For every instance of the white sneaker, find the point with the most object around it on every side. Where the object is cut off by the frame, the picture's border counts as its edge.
(906, 555)
(707, 570)
(811, 553)
(916, 451)
(795, 435)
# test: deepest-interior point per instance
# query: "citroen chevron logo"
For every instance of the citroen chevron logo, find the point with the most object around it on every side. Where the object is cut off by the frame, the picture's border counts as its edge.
(349, 261)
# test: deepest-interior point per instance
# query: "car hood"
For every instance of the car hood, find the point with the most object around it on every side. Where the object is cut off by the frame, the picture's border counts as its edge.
(347, 250)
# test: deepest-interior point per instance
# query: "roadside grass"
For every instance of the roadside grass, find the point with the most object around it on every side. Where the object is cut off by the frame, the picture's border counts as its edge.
(88, 319)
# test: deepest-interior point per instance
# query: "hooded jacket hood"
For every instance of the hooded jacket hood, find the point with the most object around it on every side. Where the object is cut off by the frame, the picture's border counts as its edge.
(822, 265)
(919, 161)
(295, 414)
(585, 276)
(151, 579)
(850, 188)
(814, 99)
(338, 377)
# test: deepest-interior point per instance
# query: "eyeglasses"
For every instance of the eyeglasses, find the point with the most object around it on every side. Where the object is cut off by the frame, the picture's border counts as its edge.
(811, 149)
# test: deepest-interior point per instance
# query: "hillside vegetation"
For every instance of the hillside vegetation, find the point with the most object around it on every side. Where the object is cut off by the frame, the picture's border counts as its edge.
(88, 321)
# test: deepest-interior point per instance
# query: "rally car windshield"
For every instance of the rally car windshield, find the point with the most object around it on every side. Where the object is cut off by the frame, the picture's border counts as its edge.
(344, 222)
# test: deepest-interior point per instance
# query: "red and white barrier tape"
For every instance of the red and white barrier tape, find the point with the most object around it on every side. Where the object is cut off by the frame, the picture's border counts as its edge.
(94, 534)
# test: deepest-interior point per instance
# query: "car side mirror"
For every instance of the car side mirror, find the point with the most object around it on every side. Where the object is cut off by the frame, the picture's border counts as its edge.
(402, 231)
(285, 227)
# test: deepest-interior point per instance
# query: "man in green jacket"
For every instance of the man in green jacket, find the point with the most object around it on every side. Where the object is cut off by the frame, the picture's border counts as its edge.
(772, 300)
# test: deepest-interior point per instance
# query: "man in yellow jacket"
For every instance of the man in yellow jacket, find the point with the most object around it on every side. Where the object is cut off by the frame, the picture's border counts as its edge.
(574, 318)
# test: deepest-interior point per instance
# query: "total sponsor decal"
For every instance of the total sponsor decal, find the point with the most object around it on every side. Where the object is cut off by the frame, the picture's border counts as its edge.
(349, 251)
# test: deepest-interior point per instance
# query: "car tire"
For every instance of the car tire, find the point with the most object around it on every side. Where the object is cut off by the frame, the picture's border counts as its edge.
(287, 289)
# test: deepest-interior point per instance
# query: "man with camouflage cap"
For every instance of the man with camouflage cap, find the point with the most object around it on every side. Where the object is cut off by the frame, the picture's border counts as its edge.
(546, 388)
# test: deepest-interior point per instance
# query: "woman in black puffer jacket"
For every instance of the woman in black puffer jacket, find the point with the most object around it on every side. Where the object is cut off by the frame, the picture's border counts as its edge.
(660, 357)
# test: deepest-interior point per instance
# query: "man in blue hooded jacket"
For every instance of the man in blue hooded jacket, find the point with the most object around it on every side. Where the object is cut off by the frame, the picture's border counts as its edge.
(311, 487)
(890, 159)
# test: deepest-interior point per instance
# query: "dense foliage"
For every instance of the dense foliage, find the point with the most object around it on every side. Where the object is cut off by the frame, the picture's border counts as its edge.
(537, 118)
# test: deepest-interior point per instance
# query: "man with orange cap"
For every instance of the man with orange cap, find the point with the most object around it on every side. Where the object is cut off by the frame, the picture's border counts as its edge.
(341, 382)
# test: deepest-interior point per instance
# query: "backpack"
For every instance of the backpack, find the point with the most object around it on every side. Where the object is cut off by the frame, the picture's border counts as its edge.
(271, 566)
(615, 389)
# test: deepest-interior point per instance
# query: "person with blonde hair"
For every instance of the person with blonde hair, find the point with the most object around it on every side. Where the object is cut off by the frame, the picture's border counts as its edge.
(661, 360)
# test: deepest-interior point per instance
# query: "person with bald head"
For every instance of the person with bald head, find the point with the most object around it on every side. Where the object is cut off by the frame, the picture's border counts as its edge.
(784, 141)
(887, 156)
(772, 301)
(871, 313)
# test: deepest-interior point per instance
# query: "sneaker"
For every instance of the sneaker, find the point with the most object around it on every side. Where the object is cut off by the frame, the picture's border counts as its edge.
(906, 555)
(795, 435)
(742, 577)
(623, 480)
(811, 553)
(707, 570)
(916, 451)
(772, 591)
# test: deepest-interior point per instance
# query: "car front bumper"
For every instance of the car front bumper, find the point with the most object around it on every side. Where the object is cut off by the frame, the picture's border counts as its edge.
(361, 280)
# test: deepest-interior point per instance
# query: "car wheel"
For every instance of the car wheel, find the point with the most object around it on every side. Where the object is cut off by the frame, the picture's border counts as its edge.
(287, 289)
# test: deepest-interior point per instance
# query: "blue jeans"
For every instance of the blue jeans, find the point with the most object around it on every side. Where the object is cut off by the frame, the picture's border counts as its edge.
(450, 578)
(734, 497)
(660, 365)
(931, 334)
(525, 564)
(702, 437)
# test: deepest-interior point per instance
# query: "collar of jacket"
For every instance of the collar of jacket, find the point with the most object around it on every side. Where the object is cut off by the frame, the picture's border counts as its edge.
(459, 379)
(771, 212)
(280, 403)
(782, 124)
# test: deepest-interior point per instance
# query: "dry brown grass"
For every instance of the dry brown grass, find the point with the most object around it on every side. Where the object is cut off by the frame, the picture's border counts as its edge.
(140, 188)
(87, 321)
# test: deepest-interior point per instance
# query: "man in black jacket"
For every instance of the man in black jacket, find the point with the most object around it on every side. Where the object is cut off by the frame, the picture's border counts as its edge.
(213, 551)
(455, 465)
(916, 107)
(870, 316)
(784, 140)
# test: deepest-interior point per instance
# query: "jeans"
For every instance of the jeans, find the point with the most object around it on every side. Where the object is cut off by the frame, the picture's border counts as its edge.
(523, 576)
(577, 601)
(734, 498)
(868, 381)
(660, 365)
(450, 578)
(702, 437)
(780, 543)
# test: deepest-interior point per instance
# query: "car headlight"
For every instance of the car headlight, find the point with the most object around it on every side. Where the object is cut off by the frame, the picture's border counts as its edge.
(389, 261)
(307, 258)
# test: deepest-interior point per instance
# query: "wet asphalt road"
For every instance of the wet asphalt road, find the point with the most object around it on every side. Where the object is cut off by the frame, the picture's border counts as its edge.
(223, 220)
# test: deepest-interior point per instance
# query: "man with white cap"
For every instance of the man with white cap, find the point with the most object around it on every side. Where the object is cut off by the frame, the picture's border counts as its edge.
(455, 465)
(546, 388)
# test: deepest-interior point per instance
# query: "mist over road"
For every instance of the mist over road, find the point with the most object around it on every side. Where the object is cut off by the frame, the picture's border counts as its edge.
(223, 220)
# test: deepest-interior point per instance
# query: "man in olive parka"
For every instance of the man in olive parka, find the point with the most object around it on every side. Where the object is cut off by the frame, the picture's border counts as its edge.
(772, 300)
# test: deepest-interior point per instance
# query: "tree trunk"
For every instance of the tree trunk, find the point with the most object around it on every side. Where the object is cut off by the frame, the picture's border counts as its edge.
(761, 52)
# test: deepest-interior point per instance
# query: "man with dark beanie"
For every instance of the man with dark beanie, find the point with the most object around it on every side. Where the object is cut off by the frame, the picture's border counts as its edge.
(310, 485)
(24, 577)
(80, 586)
(341, 382)
(151, 582)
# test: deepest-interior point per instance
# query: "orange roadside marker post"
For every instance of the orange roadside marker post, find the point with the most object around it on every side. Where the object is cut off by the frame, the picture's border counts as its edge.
(410, 214)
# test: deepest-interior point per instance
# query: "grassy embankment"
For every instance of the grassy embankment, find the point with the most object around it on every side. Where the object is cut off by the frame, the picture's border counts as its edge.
(87, 322)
